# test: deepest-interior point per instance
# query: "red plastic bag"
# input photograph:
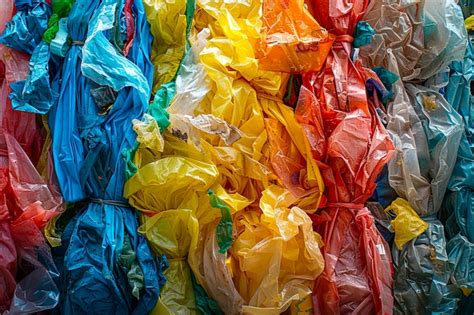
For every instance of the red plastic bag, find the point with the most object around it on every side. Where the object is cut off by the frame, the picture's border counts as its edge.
(22, 126)
(26, 205)
(351, 147)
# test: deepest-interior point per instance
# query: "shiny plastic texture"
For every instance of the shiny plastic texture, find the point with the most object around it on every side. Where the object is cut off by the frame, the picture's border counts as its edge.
(23, 32)
(27, 201)
(422, 273)
(406, 225)
(337, 113)
(398, 29)
(236, 158)
(103, 262)
(347, 227)
(292, 40)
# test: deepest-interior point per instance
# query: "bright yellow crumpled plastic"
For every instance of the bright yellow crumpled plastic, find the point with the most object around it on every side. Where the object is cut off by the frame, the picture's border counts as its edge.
(167, 21)
(168, 187)
(233, 136)
(470, 23)
(407, 225)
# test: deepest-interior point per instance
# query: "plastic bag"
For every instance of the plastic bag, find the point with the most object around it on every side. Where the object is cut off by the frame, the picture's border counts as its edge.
(336, 114)
(118, 273)
(25, 29)
(168, 191)
(422, 272)
(398, 29)
(407, 225)
(444, 36)
(23, 126)
(292, 41)
(347, 227)
(26, 204)
(170, 25)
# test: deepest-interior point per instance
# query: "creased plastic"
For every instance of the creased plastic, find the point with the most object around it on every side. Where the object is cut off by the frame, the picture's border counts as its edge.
(351, 146)
(292, 40)
(103, 261)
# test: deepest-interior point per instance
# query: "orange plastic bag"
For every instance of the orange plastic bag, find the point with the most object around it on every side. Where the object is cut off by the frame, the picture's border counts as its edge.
(292, 41)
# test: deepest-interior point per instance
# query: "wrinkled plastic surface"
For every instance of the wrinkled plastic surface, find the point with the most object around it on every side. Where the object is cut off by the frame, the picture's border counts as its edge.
(407, 225)
(217, 138)
(348, 230)
(26, 204)
(292, 40)
(34, 94)
(22, 126)
(118, 273)
(336, 113)
(422, 273)
(434, 132)
(23, 32)
(398, 29)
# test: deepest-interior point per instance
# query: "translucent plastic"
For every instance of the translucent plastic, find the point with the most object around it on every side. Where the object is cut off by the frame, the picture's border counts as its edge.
(292, 40)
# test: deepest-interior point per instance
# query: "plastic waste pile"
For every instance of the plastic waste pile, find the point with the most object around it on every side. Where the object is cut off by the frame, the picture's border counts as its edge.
(236, 157)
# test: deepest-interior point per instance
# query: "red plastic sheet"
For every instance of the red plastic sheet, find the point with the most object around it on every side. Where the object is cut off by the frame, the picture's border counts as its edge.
(351, 147)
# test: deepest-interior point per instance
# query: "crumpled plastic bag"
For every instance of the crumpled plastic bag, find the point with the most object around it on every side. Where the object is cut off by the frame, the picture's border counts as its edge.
(34, 94)
(398, 29)
(292, 40)
(170, 26)
(427, 37)
(118, 273)
(444, 36)
(422, 273)
(23, 126)
(27, 271)
(220, 79)
(168, 190)
(25, 29)
(338, 113)
(279, 240)
(406, 225)
(461, 257)
(422, 164)
(347, 227)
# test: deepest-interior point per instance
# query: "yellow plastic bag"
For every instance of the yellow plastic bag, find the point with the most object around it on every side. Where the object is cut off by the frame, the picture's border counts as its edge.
(280, 241)
(470, 23)
(407, 224)
(172, 233)
(168, 26)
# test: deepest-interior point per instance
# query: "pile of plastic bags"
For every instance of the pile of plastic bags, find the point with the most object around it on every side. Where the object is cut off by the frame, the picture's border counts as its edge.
(236, 157)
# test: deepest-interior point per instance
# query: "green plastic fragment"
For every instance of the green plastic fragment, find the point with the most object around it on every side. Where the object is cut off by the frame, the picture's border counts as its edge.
(224, 228)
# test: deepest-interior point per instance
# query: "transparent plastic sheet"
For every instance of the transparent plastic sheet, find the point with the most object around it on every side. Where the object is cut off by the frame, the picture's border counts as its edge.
(292, 41)
(427, 37)
(119, 272)
(444, 36)
(23, 126)
(426, 131)
(26, 205)
(398, 29)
